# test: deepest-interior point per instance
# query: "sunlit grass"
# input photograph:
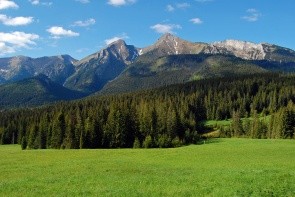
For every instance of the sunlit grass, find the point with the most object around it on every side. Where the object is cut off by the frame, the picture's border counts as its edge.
(225, 167)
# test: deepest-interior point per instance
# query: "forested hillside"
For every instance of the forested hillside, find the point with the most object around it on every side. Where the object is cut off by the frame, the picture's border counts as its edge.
(35, 91)
(165, 117)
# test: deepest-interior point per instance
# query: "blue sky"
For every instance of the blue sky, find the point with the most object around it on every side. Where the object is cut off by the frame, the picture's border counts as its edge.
(79, 28)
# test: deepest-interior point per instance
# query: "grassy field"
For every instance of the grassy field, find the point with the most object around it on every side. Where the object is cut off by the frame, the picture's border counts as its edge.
(224, 167)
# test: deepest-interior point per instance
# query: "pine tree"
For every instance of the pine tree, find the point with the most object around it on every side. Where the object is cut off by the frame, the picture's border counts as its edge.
(58, 131)
(237, 124)
(24, 143)
(33, 138)
(136, 143)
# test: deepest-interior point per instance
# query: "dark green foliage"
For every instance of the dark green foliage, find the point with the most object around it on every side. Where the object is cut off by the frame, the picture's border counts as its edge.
(58, 131)
(148, 142)
(165, 117)
(34, 91)
(136, 143)
(24, 143)
(154, 72)
(237, 124)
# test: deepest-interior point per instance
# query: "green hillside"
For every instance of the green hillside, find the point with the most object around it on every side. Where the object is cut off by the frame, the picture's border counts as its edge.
(148, 73)
(34, 91)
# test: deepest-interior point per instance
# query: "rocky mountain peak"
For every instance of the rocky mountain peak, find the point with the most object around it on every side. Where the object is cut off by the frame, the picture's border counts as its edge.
(121, 51)
(118, 50)
(169, 44)
(167, 37)
(119, 42)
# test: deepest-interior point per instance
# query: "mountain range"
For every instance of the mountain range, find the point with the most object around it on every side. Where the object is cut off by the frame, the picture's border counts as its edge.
(121, 68)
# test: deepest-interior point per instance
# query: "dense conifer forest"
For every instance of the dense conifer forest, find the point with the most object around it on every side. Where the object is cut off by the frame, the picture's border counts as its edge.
(171, 116)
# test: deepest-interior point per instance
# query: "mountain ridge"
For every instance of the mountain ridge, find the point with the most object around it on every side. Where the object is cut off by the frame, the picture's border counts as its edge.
(169, 60)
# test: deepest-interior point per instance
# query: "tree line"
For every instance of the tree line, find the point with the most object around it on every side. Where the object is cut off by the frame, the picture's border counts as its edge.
(165, 117)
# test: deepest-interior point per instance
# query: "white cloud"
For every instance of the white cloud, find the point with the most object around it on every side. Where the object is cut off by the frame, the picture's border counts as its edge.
(17, 21)
(11, 42)
(37, 2)
(118, 3)
(58, 32)
(196, 21)
(116, 38)
(85, 23)
(6, 4)
(165, 28)
(83, 1)
(170, 8)
(183, 5)
(4, 49)
(253, 15)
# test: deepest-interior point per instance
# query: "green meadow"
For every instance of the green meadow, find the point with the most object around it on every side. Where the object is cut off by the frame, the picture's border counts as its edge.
(220, 167)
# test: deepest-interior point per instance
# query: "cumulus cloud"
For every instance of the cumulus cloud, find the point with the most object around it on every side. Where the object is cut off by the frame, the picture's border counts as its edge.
(252, 15)
(58, 32)
(116, 38)
(196, 21)
(118, 3)
(165, 28)
(6, 4)
(85, 23)
(17, 21)
(83, 1)
(11, 42)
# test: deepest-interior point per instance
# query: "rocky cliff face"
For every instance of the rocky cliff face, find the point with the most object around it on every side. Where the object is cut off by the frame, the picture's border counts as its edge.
(241, 49)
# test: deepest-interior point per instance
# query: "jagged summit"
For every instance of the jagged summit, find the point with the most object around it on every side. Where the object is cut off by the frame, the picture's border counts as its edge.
(117, 42)
(167, 37)
(169, 44)
(117, 49)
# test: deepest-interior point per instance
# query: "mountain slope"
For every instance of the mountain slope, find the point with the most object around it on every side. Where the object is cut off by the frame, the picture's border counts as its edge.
(175, 69)
(34, 91)
(57, 68)
(94, 71)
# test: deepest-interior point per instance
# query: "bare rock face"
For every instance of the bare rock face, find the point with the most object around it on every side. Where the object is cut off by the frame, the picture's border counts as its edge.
(241, 49)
